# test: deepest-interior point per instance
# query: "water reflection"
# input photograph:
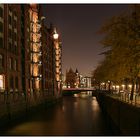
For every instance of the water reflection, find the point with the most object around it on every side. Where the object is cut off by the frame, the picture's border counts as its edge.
(77, 115)
(76, 95)
(95, 105)
(63, 108)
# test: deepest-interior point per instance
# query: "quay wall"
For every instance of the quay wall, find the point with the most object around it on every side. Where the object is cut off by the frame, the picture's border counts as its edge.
(124, 118)
(14, 107)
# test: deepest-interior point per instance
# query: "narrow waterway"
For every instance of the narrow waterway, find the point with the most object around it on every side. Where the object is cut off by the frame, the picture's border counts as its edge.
(77, 115)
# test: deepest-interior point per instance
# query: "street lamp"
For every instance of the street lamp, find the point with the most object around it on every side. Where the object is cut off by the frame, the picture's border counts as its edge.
(55, 34)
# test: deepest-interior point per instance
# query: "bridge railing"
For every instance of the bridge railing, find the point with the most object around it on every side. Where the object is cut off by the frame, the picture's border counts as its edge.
(80, 89)
(125, 97)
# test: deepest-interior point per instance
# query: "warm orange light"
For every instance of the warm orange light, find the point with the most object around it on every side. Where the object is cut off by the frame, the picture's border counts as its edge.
(2, 82)
(35, 45)
(55, 36)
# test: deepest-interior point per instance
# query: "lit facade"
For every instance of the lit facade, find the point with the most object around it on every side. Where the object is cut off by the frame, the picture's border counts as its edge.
(77, 79)
(87, 82)
(35, 48)
(58, 66)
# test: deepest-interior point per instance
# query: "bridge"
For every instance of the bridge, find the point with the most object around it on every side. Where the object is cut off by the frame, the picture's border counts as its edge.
(71, 91)
(78, 89)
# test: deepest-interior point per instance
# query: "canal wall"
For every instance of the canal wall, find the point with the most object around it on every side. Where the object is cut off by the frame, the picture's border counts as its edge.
(14, 107)
(123, 118)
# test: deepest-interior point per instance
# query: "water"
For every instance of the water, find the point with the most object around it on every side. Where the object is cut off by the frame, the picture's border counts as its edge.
(77, 115)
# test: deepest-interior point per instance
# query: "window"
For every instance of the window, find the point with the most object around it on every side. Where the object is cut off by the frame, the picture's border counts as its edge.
(10, 33)
(1, 42)
(16, 65)
(15, 36)
(10, 10)
(2, 82)
(10, 46)
(15, 23)
(10, 63)
(29, 84)
(1, 27)
(1, 61)
(10, 19)
(1, 12)
(15, 49)
(16, 82)
(11, 82)
(15, 15)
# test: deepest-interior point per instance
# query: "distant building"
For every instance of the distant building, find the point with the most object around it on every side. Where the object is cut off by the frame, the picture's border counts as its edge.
(63, 81)
(87, 82)
(77, 79)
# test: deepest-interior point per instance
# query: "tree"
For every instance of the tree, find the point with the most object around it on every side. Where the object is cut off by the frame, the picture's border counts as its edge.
(122, 37)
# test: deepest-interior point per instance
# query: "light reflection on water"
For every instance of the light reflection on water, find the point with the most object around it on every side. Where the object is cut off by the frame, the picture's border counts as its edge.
(80, 115)
(95, 105)
(76, 95)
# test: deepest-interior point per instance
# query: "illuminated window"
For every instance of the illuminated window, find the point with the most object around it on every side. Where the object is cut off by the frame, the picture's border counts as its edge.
(2, 82)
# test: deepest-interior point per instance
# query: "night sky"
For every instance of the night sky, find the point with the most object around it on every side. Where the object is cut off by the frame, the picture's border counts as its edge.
(78, 26)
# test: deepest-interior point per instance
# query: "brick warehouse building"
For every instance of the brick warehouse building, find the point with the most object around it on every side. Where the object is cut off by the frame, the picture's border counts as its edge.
(48, 60)
(27, 53)
(10, 49)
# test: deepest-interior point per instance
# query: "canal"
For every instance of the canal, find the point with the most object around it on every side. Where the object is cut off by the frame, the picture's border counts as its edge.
(77, 115)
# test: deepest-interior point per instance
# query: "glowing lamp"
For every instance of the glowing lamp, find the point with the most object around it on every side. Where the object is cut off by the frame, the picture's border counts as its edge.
(55, 36)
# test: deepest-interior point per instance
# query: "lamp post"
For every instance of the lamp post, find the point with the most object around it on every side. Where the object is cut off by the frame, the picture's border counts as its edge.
(57, 61)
